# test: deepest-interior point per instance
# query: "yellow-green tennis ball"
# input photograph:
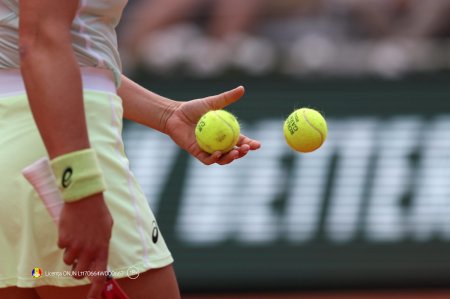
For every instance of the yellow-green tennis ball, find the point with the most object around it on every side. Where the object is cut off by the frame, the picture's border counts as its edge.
(217, 130)
(305, 130)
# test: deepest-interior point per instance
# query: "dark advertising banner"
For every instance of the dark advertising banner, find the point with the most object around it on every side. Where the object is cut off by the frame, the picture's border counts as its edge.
(371, 208)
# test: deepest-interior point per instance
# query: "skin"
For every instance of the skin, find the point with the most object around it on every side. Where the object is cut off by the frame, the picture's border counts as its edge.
(48, 60)
(155, 284)
(53, 84)
(178, 119)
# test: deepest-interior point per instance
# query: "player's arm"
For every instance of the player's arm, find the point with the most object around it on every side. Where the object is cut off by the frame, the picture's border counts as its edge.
(145, 107)
(178, 119)
(51, 74)
(53, 83)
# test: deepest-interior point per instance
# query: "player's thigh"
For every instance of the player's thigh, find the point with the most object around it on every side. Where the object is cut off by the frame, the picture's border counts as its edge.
(18, 293)
(153, 284)
(51, 292)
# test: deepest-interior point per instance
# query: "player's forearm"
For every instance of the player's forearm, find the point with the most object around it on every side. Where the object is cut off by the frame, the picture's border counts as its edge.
(53, 84)
(145, 107)
(52, 79)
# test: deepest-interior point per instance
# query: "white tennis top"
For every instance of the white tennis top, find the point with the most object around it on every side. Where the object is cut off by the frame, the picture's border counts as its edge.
(94, 37)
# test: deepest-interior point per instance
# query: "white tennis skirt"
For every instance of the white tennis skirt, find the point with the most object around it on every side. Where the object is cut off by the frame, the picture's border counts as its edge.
(28, 235)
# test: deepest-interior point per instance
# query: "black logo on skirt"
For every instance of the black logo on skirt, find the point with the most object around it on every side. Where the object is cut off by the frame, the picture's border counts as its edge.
(155, 232)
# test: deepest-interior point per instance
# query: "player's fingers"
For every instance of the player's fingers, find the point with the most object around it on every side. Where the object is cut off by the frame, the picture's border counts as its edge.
(254, 144)
(224, 99)
(98, 283)
(62, 241)
(70, 255)
(80, 268)
(243, 150)
(98, 280)
(208, 159)
(228, 157)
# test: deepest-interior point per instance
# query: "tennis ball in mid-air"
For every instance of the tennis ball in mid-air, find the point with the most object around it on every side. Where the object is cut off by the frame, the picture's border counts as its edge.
(217, 130)
(305, 130)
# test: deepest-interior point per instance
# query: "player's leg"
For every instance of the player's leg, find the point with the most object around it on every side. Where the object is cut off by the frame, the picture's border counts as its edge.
(153, 284)
(18, 293)
(52, 292)
(156, 284)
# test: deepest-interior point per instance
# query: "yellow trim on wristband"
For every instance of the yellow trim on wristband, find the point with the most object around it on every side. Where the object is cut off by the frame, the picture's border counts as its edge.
(78, 175)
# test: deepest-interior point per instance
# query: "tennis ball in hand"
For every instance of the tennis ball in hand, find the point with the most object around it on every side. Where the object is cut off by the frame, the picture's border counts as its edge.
(305, 130)
(217, 130)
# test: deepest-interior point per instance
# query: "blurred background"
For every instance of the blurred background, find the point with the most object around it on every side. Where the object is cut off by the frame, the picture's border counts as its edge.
(367, 215)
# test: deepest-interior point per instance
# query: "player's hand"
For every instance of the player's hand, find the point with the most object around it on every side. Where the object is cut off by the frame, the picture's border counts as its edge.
(84, 233)
(180, 126)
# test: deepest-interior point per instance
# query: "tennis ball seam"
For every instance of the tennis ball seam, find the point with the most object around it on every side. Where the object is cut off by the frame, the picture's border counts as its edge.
(312, 126)
(230, 126)
(203, 144)
(200, 140)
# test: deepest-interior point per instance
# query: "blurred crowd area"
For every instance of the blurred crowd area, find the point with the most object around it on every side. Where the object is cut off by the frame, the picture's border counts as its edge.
(208, 38)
